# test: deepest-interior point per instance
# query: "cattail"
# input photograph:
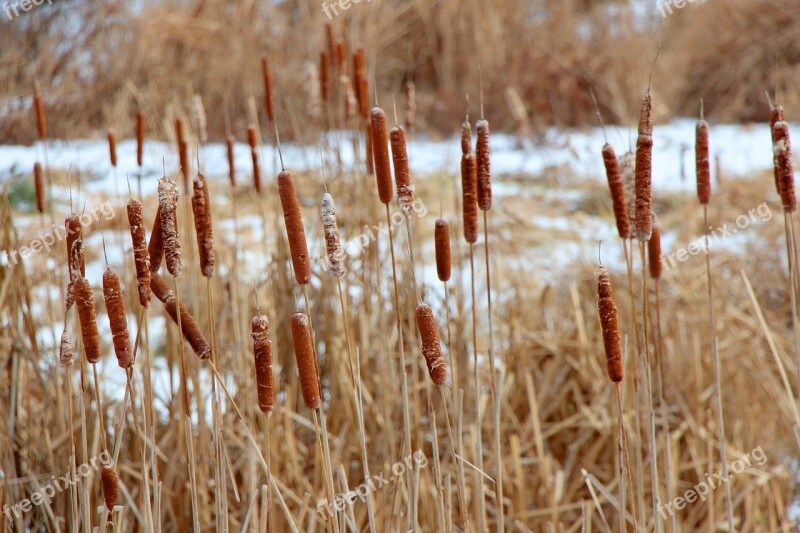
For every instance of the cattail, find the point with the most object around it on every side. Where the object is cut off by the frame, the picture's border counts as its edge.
(141, 257)
(178, 132)
(324, 76)
(380, 154)
(336, 254)
(267, 88)
(84, 300)
(38, 106)
(617, 191)
(168, 209)
(368, 147)
(654, 253)
(110, 487)
(362, 85)
(306, 366)
(229, 142)
(431, 346)
(155, 249)
(441, 237)
(201, 208)
(252, 140)
(484, 168)
(199, 118)
(139, 138)
(775, 116)
(350, 102)
(644, 170)
(341, 56)
(331, 43)
(410, 91)
(65, 352)
(112, 148)
(184, 161)
(295, 232)
(189, 327)
(262, 350)
(38, 184)
(74, 259)
(74, 231)
(112, 294)
(783, 162)
(466, 138)
(702, 163)
(627, 167)
(469, 188)
(402, 176)
(608, 320)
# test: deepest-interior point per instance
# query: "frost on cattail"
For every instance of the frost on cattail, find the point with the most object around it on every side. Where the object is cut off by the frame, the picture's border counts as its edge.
(295, 232)
(201, 208)
(199, 118)
(139, 138)
(784, 166)
(608, 321)
(483, 164)
(65, 352)
(324, 76)
(410, 91)
(469, 191)
(38, 184)
(189, 327)
(313, 86)
(84, 300)
(702, 163)
(155, 248)
(267, 88)
(654, 253)
(775, 116)
(333, 245)
(642, 226)
(141, 257)
(402, 176)
(617, 191)
(252, 140)
(306, 366)
(380, 154)
(229, 143)
(112, 148)
(74, 231)
(112, 294)
(431, 345)
(38, 107)
(168, 207)
(441, 237)
(466, 138)
(110, 487)
(262, 350)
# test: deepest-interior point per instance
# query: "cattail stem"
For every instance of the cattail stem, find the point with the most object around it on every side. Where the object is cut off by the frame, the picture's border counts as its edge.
(220, 481)
(74, 487)
(625, 463)
(481, 510)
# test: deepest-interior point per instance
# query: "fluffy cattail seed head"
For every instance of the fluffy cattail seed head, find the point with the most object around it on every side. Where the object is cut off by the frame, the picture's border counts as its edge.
(785, 168)
(333, 245)
(306, 365)
(644, 170)
(431, 346)
(466, 138)
(484, 167)
(38, 184)
(617, 191)
(262, 350)
(654, 253)
(112, 294)
(702, 163)
(201, 208)
(141, 257)
(402, 176)
(441, 239)
(110, 487)
(84, 300)
(295, 232)
(112, 148)
(380, 154)
(168, 207)
(74, 231)
(608, 321)
(65, 352)
(469, 190)
(139, 138)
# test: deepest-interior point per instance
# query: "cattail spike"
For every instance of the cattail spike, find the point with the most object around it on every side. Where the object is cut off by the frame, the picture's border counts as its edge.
(431, 345)
(644, 170)
(267, 88)
(155, 249)
(380, 154)
(469, 189)
(775, 116)
(112, 148)
(229, 144)
(201, 208)
(702, 163)
(74, 231)
(442, 244)
(402, 175)
(38, 106)
(65, 352)
(483, 164)
(617, 190)
(110, 487)
(608, 320)
(336, 255)
(262, 350)
(38, 184)
(141, 257)
(139, 138)
(168, 208)
(306, 365)
(189, 327)
(654, 253)
(112, 294)
(87, 314)
(295, 232)
(783, 162)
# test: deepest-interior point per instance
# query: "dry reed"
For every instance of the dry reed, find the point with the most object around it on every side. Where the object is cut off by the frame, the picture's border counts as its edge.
(112, 294)
(431, 345)
(168, 208)
(262, 351)
(306, 365)
(201, 208)
(410, 91)
(141, 257)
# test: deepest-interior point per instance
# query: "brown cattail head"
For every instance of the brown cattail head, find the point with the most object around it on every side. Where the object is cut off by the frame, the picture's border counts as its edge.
(608, 321)
(331, 43)
(168, 207)
(65, 352)
(201, 208)
(141, 257)
(469, 191)
(262, 350)
(112, 294)
(441, 239)
(139, 138)
(654, 253)
(38, 184)
(38, 106)
(74, 231)
(336, 255)
(183, 149)
(775, 116)
(229, 143)
(267, 88)
(84, 300)
(189, 327)
(702, 163)
(306, 365)
(402, 176)
(110, 487)
(410, 91)
(642, 226)
(295, 232)
(484, 167)
(617, 191)
(785, 168)
(363, 88)
(75, 257)
(155, 249)
(324, 76)
(179, 132)
(466, 138)
(112, 148)
(256, 171)
(431, 346)
(380, 154)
